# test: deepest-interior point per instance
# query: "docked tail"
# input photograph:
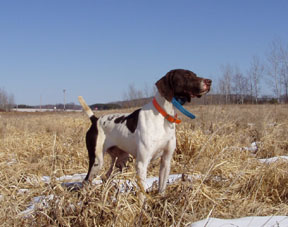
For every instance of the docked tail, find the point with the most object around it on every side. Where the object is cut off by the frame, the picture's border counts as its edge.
(86, 108)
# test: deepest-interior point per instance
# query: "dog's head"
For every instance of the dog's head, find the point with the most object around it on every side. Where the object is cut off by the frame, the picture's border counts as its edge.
(182, 84)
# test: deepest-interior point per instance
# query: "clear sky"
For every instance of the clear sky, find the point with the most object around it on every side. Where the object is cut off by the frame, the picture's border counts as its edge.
(97, 48)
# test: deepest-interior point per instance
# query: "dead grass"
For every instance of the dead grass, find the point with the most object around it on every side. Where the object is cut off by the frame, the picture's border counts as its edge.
(232, 182)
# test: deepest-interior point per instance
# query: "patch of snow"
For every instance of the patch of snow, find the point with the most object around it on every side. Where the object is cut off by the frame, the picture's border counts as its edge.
(123, 185)
(274, 159)
(12, 162)
(22, 190)
(75, 177)
(46, 179)
(76, 180)
(253, 147)
(39, 201)
(272, 124)
(155, 180)
(277, 221)
(251, 124)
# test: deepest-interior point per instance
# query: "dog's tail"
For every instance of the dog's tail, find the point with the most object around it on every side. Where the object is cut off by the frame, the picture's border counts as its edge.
(85, 107)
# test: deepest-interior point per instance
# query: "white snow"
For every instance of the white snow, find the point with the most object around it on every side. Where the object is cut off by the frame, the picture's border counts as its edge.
(274, 159)
(23, 190)
(40, 201)
(253, 147)
(75, 177)
(129, 186)
(12, 162)
(123, 185)
(254, 221)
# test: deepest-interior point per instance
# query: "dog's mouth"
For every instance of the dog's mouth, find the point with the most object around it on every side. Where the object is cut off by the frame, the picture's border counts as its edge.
(197, 91)
(190, 94)
(205, 89)
(186, 96)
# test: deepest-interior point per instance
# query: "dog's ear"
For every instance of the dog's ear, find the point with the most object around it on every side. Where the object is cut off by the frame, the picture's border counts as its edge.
(165, 86)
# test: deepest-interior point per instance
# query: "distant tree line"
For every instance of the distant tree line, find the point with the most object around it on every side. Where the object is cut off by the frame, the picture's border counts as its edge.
(107, 106)
(238, 87)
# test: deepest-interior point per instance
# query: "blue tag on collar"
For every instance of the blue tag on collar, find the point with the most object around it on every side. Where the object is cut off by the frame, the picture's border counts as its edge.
(182, 109)
(181, 100)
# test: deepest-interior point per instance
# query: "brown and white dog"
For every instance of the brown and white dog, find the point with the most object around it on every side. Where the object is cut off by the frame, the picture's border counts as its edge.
(147, 133)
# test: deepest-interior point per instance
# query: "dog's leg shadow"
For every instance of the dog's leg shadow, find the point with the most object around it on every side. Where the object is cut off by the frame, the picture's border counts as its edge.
(72, 186)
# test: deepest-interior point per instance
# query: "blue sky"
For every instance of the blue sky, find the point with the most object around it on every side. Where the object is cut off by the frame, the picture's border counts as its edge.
(97, 48)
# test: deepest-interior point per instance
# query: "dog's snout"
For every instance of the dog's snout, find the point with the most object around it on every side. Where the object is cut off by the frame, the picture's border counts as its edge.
(208, 82)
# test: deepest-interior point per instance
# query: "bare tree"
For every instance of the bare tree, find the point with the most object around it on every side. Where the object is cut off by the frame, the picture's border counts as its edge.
(274, 68)
(225, 82)
(284, 69)
(137, 97)
(255, 74)
(6, 100)
(277, 69)
(132, 95)
(240, 85)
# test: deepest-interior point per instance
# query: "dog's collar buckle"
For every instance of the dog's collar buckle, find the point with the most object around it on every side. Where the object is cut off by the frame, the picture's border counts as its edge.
(168, 117)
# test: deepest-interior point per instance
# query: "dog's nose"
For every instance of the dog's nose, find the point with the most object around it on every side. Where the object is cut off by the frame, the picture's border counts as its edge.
(208, 82)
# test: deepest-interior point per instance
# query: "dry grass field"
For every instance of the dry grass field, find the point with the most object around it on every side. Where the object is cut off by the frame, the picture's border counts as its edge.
(229, 181)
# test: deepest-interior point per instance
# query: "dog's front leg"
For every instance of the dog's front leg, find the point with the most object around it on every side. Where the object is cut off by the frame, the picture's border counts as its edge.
(165, 165)
(142, 162)
(141, 168)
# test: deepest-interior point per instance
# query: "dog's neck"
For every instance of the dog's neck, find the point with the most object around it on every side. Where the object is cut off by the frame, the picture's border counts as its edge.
(166, 105)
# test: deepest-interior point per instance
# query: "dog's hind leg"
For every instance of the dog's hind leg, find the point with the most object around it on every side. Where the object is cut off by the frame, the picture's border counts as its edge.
(94, 144)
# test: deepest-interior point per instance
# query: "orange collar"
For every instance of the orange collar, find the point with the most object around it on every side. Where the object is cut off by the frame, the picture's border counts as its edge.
(164, 114)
